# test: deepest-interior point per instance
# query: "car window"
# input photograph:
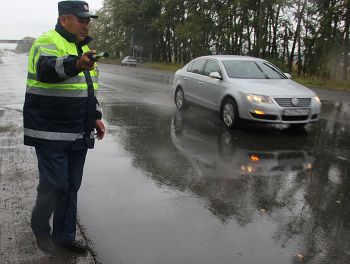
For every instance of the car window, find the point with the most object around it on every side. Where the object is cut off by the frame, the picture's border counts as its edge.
(189, 68)
(197, 66)
(272, 71)
(212, 66)
(244, 69)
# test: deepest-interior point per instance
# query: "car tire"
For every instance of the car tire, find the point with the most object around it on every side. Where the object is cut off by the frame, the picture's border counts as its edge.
(229, 113)
(179, 99)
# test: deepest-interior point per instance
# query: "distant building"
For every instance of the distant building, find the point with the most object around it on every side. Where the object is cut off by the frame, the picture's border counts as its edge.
(25, 45)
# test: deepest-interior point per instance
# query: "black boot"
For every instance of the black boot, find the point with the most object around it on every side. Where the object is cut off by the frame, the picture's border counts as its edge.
(75, 246)
(46, 244)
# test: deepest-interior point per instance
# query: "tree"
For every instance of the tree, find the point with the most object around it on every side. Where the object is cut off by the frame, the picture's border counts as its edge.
(346, 40)
(314, 31)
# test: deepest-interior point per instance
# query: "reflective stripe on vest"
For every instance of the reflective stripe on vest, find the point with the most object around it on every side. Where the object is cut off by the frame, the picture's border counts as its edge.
(52, 135)
(47, 47)
(57, 92)
(71, 80)
(59, 67)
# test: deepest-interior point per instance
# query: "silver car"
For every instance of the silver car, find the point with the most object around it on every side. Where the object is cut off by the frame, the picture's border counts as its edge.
(129, 61)
(241, 87)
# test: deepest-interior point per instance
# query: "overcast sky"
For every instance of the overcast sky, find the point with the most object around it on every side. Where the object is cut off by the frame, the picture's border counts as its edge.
(22, 18)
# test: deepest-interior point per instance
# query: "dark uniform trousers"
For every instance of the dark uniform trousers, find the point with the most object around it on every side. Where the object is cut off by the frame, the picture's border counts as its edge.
(60, 175)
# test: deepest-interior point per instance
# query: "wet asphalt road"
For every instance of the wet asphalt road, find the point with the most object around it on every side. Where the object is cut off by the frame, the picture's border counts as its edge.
(168, 187)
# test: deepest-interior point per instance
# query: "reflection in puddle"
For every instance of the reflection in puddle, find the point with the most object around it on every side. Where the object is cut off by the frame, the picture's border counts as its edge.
(235, 153)
(298, 181)
(336, 111)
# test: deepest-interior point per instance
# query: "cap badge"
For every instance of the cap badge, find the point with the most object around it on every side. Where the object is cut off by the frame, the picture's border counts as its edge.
(86, 7)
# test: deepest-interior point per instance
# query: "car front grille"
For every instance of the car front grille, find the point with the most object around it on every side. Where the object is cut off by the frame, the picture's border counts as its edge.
(288, 102)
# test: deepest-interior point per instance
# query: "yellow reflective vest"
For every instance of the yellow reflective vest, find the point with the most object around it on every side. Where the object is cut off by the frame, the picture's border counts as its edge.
(60, 106)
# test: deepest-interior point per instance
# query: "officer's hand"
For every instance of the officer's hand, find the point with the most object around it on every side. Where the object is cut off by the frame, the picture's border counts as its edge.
(84, 62)
(100, 128)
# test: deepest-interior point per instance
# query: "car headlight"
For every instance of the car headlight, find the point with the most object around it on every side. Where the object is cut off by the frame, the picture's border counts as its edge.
(259, 99)
(317, 99)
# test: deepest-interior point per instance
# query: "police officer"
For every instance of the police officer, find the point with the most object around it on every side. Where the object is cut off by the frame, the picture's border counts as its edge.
(61, 115)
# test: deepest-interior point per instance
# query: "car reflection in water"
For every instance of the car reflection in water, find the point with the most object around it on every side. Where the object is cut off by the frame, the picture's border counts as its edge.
(240, 172)
(233, 157)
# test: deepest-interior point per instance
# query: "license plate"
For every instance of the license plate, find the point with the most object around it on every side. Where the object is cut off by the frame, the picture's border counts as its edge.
(296, 112)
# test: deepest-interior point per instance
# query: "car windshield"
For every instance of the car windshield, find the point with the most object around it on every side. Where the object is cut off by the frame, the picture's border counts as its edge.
(245, 69)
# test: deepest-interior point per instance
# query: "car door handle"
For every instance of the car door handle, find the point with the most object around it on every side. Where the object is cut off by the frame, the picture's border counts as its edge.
(185, 78)
(199, 82)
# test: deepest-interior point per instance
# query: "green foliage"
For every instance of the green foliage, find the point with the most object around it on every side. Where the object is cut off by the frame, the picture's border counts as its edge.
(327, 84)
(308, 36)
(172, 67)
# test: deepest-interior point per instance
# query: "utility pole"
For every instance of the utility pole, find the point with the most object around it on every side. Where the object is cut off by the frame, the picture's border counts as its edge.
(259, 33)
(132, 45)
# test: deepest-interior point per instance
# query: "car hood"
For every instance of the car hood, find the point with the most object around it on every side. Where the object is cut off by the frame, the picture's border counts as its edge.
(271, 87)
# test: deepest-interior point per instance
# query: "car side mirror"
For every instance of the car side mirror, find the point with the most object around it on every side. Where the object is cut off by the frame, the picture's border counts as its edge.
(289, 76)
(215, 75)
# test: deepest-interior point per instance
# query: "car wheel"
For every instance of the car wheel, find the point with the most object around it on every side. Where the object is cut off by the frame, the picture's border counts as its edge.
(229, 113)
(180, 99)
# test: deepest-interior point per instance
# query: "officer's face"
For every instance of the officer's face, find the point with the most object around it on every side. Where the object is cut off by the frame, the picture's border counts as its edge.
(77, 26)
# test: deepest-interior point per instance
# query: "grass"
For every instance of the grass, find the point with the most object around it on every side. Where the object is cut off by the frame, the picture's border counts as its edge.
(326, 84)
(110, 61)
(173, 67)
(309, 82)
